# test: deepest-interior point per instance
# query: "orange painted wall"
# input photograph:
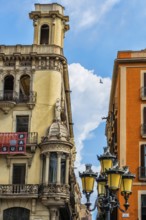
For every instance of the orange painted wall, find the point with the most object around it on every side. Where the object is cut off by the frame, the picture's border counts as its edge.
(133, 123)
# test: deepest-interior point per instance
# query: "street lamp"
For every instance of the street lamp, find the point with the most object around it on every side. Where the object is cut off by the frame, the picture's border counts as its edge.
(111, 179)
(88, 179)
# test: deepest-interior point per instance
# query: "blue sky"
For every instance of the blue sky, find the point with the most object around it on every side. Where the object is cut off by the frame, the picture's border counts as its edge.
(98, 29)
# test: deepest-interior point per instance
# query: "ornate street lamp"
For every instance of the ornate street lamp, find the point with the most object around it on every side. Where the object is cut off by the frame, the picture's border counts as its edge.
(106, 160)
(110, 180)
(126, 185)
(101, 183)
(88, 179)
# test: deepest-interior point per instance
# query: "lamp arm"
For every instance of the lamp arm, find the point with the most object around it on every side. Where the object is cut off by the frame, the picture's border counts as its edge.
(95, 205)
(122, 210)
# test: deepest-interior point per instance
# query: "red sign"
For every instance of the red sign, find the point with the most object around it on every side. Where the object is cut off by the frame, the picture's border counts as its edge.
(13, 143)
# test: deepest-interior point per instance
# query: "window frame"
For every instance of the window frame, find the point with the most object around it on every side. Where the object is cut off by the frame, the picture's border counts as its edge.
(21, 113)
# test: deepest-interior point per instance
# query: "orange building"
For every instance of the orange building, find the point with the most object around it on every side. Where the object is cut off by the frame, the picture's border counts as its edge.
(126, 125)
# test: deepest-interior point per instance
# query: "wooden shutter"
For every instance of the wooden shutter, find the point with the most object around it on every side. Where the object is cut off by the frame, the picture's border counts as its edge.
(142, 155)
(144, 115)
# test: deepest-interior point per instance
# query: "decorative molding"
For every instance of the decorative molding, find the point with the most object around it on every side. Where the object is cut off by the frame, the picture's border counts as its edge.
(54, 189)
(19, 190)
(55, 148)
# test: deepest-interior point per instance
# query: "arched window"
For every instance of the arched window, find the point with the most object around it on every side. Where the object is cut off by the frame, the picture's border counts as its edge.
(16, 213)
(24, 88)
(53, 168)
(44, 36)
(8, 87)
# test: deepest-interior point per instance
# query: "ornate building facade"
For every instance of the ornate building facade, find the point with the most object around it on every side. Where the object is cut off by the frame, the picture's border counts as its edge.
(37, 149)
(126, 125)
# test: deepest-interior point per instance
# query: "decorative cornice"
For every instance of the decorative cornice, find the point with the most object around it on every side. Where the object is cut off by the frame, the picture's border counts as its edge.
(47, 147)
(32, 63)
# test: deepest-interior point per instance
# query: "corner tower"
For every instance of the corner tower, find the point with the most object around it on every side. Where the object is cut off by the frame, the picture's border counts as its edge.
(49, 24)
(36, 134)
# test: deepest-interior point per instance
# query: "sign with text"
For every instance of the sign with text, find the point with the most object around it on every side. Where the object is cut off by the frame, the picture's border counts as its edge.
(13, 143)
(125, 215)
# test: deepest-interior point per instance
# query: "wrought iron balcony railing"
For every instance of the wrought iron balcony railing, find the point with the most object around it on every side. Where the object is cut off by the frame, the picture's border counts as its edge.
(31, 98)
(142, 173)
(143, 93)
(24, 190)
(13, 96)
(143, 130)
(8, 95)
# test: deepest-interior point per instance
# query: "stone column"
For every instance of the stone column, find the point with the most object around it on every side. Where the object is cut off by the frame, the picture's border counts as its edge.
(58, 166)
(67, 169)
(53, 213)
(47, 168)
(35, 24)
(52, 40)
(41, 169)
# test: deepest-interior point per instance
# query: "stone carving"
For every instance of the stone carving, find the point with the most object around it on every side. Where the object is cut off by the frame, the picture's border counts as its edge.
(19, 189)
(57, 110)
(52, 148)
(48, 62)
(55, 188)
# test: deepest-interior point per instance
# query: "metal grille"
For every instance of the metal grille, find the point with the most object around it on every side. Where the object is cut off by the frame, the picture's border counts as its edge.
(16, 213)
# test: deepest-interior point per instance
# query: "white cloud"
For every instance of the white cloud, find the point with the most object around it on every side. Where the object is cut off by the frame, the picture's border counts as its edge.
(86, 13)
(89, 103)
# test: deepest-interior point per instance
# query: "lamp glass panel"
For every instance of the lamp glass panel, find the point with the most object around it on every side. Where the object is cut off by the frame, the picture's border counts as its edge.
(126, 185)
(106, 164)
(101, 188)
(88, 183)
(114, 181)
(83, 183)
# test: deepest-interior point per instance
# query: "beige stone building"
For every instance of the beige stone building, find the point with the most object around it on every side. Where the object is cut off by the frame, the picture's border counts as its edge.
(37, 149)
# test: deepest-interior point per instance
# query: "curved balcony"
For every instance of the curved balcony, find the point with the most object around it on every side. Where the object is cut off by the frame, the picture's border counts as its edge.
(57, 193)
(9, 98)
(19, 191)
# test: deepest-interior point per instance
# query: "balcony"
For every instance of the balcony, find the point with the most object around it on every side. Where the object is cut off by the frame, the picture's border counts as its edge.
(19, 191)
(9, 99)
(142, 173)
(59, 193)
(143, 130)
(32, 138)
(143, 93)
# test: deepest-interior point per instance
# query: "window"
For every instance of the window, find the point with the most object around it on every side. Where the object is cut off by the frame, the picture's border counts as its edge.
(22, 123)
(143, 207)
(53, 168)
(44, 37)
(19, 171)
(143, 161)
(16, 213)
(63, 168)
(8, 87)
(144, 84)
(143, 132)
(24, 88)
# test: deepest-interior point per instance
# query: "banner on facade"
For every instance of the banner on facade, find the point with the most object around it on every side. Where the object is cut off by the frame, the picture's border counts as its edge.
(13, 143)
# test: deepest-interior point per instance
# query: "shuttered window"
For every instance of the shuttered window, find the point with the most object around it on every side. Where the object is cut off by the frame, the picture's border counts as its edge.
(143, 207)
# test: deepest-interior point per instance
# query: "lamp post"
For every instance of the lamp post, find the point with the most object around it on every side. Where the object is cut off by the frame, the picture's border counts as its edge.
(88, 179)
(111, 179)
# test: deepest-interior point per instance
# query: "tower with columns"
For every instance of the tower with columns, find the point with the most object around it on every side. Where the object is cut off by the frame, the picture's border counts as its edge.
(37, 149)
